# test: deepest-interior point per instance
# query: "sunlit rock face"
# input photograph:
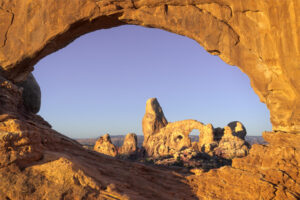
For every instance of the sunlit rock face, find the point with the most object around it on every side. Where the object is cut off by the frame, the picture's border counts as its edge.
(231, 146)
(105, 146)
(129, 147)
(259, 37)
(153, 120)
(167, 139)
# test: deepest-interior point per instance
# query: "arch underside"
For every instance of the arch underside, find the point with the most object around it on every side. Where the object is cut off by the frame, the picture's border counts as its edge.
(261, 38)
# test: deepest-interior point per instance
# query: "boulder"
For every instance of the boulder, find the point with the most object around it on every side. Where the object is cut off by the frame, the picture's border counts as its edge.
(31, 94)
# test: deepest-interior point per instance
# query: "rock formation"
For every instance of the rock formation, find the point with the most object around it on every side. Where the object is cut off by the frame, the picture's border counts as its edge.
(231, 146)
(39, 163)
(259, 37)
(105, 146)
(247, 34)
(129, 147)
(153, 120)
(173, 137)
(238, 129)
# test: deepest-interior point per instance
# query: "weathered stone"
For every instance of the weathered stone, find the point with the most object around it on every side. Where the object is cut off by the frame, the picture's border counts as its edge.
(207, 139)
(31, 94)
(171, 138)
(129, 147)
(231, 146)
(174, 137)
(260, 37)
(247, 34)
(105, 146)
(153, 120)
(238, 129)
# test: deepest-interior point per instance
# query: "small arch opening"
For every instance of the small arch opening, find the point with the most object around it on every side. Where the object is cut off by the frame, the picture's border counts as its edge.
(194, 135)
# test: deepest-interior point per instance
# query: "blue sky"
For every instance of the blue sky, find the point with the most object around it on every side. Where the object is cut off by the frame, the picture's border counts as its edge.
(100, 83)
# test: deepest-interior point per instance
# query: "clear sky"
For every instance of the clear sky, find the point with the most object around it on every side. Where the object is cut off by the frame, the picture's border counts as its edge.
(100, 83)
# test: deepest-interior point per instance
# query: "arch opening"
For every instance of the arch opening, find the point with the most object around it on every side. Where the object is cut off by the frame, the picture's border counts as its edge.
(167, 71)
(194, 135)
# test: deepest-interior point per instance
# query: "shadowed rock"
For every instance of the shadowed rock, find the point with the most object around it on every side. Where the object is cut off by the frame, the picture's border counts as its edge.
(238, 129)
(31, 94)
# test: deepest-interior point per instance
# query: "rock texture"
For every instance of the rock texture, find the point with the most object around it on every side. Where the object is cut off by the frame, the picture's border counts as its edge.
(153, 119)
(105, 146)
(36, 162)
(231, 146)
(259, 37)
(170, 138)
(268, 172)
(129, 147)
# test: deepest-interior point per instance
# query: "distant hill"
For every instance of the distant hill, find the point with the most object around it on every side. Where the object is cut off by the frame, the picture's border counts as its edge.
(118, 140)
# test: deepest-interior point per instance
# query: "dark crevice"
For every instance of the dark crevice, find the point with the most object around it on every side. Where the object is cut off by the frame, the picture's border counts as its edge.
(166, 9)
(133, 4)
(244, 11)
(214, 52)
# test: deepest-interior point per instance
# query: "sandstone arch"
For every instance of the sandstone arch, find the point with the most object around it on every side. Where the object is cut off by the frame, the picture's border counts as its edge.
(260, 37)
(249, 35)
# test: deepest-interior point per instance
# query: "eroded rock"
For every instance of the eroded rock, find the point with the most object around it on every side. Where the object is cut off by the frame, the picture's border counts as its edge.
(129, 147)
(259, 37)
(153, 120)
(247, 34)
(231, 146)
(105, 146)
(166, 141)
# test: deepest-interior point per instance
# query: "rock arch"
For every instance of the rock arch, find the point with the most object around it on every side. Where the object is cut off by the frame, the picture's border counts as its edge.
(242, 33)
(260, 37)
